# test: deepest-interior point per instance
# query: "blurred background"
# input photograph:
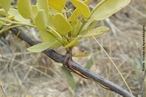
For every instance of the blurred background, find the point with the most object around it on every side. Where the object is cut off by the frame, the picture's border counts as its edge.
(22, 72)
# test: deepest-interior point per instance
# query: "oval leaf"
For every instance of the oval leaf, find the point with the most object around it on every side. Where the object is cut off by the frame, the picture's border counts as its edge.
(82, 7)
(54, 33)
(61, 24)
(43, 4)
(69, 77)
(24, 8)
(75, 29)
(5, 4)
(106, 8)
(48, 37)
(89, 25)
(91, 61)
(96, 31)
(41, 20)
(57, 4)
(34, 11)
(3, 12)
(74, 16)
(76, 13)
(41, 46)
(73, 42)
(16, 16)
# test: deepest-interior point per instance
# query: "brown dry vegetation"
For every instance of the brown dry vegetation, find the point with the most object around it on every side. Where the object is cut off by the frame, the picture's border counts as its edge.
(22, 72)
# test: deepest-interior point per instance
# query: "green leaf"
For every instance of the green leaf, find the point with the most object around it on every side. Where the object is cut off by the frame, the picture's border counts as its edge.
(70, 78)
(48, 37)
(82, 7)
(50, 20)
(73, 42)
(96, 31)
(91, 60)
(106, 8)
(24, 8)
(16, 16)
(55, 33)
(41, 20)
(75, 29)
(5, 4)
(76, 13)
(41, 46)
(74, 16)
(61, 24)
(57, 4)
(89, 25)
(80, 55)
(87, 1)
(34, 11)
(43, 4)
(3, 12)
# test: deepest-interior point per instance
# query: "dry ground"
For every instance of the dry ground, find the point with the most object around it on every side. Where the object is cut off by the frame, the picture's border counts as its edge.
(25, 73)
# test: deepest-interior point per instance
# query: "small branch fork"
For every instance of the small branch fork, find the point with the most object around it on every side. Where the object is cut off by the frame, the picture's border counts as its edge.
(67, 61)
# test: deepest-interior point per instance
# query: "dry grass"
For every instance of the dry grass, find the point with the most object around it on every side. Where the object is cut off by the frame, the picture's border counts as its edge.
(35, 74)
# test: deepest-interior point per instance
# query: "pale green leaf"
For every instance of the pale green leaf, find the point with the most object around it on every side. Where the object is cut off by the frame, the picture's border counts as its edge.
(91, 61)
(87, 1)
(43, 4)
(16, 16)
(76, 13)
(89, 25)
(5, 4)
(74, 16)
(73, 42)
(48, 37)
(24, 8)
(57, 4)
(95, 32)
(34, 11)
(41, 46)
(80, 55)
(82, 7)
(50, 20)
(69, 77)
(3, 12)
(53, 12)
(61, 24)
(75, 29)
(106, 8)
(53, 32)
(41, 20)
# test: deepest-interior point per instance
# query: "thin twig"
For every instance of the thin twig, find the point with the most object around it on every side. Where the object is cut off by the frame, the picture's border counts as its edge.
(3, 90)
(60, 58)
(114, 65)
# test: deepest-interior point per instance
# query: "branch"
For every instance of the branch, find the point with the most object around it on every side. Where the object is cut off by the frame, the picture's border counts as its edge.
(60, 58)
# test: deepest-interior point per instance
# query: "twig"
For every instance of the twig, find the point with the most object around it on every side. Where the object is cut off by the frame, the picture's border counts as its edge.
(114, 65)
(3, 90)
(60, 58)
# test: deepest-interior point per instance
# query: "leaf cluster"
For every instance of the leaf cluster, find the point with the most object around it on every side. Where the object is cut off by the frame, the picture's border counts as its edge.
(51, 18)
